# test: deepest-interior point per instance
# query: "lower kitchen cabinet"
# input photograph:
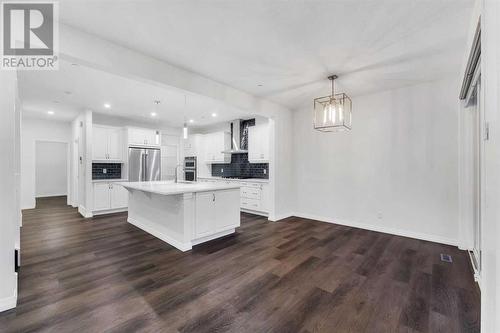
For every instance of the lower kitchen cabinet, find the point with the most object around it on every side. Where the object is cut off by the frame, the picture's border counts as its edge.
(254, 196)
(109, 196)
(215, 212)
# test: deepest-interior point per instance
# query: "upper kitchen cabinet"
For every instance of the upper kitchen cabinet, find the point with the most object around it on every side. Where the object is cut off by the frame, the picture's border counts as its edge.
(107, 144)
(258, 143)
(143, 137)
(215, 143)
(193, 145)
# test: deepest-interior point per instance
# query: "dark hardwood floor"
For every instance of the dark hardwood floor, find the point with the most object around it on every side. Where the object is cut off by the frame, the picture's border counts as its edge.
(105, 275)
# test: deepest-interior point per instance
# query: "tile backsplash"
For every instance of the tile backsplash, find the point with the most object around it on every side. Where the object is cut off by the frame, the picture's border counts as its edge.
(241, 168)
(106, 170)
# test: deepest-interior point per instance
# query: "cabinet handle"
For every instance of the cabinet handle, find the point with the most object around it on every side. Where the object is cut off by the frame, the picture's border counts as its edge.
(213, 199)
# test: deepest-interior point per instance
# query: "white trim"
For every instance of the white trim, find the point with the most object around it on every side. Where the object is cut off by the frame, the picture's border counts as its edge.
(276, 218)
(83, 211)
(110, 211)
(211, 237)
(181, 246)
(477, 274)
(10, 302)
(51, 195)
(254, 212)
(372, 227)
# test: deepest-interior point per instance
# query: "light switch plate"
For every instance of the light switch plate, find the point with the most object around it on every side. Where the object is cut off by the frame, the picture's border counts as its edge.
(105, 171)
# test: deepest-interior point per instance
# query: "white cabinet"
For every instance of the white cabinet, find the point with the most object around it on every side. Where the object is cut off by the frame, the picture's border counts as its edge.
(102, 196)
(258, 143)
(205, 214)
(143, 137)
(215, 212)
(215, 143)
(227, 214)
(254, 196)
(119, 196)
(193, 145)
(109, 196)
(107, 143)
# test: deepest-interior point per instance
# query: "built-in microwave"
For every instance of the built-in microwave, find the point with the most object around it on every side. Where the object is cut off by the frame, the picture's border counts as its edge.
(190, 162)
(190, 168)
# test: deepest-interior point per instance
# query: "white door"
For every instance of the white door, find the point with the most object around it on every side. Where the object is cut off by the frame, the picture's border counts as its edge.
(205, 214)
(99, 143)
(102, 196)
(115, 147)
(477, 158)
(227, 209)
(119, 196)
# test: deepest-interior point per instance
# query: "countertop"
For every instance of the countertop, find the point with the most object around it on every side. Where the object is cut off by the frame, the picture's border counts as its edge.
(171, 188)
(109, 180)
(250, 180)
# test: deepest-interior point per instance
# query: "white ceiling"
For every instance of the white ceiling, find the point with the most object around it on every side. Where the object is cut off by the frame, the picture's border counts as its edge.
(74, 88)
(289, 47)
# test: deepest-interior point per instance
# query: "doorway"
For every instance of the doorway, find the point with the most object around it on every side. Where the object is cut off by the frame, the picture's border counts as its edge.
(51, 169)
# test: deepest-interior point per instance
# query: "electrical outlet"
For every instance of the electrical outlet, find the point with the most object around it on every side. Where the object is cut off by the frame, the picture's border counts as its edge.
(221, 170)
(265, 171)
(104, 171)
(380, 215)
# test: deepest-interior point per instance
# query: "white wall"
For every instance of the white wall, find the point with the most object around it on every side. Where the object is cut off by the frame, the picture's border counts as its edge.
(51, 164)
(37, 130)
(396, 171)
(490, 69)
(9, 224)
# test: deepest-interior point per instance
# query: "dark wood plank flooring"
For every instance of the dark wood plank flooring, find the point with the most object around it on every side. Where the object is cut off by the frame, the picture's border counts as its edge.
(105, 275)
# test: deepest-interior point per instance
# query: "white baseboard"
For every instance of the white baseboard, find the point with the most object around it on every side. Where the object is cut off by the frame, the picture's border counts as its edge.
(278, 217)
(10, 302)
(110, 211)
(211, 237)
(392, 231)
(249, 211)
(167, 239)
(51, 195)
(83, 212)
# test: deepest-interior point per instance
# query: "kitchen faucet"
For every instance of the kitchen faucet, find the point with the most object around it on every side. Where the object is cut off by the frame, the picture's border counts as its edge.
(176, 174)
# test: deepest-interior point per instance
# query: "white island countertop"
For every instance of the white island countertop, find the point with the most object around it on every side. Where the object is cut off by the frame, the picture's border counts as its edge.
(172, 188)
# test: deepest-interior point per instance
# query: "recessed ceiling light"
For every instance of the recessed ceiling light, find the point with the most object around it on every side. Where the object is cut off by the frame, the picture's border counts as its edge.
(214, 114)
(191, 120)
(56, 102)
(67, 92)
(50, 112)
(107, 105)
(153, 114)
(74, 64)
(259, 85)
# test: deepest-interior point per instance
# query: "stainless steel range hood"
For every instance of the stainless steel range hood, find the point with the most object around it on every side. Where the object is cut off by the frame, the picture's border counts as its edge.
(235, 139)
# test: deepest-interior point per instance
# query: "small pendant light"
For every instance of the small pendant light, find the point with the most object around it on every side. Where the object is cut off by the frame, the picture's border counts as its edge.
(333, 112)
(185, 128)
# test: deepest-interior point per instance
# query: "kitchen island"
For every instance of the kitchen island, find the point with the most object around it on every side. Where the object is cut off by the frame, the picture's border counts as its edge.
(184, 214)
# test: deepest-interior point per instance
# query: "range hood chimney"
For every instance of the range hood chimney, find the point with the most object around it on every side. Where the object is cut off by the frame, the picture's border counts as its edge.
(235, 138)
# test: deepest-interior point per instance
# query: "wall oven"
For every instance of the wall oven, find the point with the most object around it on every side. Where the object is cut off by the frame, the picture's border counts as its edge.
(190, 168)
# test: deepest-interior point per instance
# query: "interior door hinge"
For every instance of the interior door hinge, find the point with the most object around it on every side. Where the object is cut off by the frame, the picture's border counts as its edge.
(486, 131)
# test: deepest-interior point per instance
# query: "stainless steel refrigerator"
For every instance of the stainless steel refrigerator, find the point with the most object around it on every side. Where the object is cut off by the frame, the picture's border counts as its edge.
(144, 164)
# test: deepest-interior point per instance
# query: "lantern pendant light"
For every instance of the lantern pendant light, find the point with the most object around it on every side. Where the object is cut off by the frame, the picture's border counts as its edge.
(333, 112)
